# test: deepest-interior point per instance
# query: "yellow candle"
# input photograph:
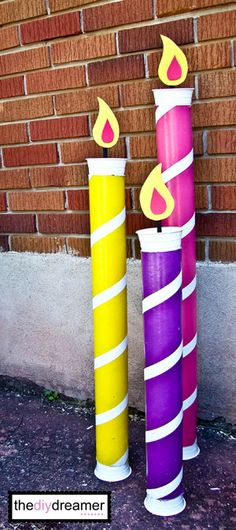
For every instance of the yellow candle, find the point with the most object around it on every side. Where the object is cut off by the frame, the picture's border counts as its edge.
(108, 250)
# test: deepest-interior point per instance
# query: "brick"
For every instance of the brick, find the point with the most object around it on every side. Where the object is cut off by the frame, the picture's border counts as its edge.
(131, 67)
(214, 113)
(216, 224)
(12, 86)
(200, 248)
(137, 172)
(117, 13)
(36, 200)
(9, 38)
(78, 200)
(201, 198)
(32, 59)
(84, 48)
(27, 108)
(138, 93)
(59, 176)
(13, 179)
(129, 247)
(79, 151)
(67, 223)
(40, 244)
(30, 155)
(198, 142)
(148, 37)
(167, 7)
(136, 120)
(13, 134)
(129, 203)
(222, 141)
(215, 169)
(57, 79)
(72, 127)
(17, 223)
(217, 84)
(4, 244)
(136, 194)
(223, 197)
(59, 5)
(220, 250)
(137, 248)
(85, 100)
(217, 25)
(202, 57)
(78, 246)
(145, 146)
(2, 202)
(51, 27)
(18, 10)
(137, 221)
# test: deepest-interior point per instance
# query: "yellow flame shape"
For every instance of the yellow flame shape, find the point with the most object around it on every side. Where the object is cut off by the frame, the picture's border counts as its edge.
(171, 51)
(105, 115)
(155, 182)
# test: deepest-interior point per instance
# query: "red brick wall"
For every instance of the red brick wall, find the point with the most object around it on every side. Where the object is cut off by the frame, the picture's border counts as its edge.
(57, 57)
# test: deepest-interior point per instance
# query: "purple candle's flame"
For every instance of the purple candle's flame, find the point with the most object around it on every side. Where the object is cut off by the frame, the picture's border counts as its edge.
(107, 133)
(174, 71)
(158, 204)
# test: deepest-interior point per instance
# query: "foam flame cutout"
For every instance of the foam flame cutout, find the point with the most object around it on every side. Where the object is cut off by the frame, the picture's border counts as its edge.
(156, 200)
(106, 128)
(173, 67)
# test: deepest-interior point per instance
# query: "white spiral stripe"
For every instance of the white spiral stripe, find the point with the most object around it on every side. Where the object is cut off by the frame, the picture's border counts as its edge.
(161, 432)
(122, 460)
(188, 290)
(188, 227)
(163, 366)
(109, 293)
(188, 348)
(190, 400)
(111, 414)
(162, 491)
(105, 229)
(177, 168)
(163, 294)
(162, 109)
(111, 355)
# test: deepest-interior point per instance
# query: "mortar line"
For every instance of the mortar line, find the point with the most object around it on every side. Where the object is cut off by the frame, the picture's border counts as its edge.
(47, 7)
(195, 34)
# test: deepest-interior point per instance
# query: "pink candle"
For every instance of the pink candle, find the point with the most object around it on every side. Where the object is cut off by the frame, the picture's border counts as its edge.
(175, 152)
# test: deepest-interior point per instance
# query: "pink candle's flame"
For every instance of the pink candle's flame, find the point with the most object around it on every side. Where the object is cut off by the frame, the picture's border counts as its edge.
(174, 71)
(107, 133)
(158, 203)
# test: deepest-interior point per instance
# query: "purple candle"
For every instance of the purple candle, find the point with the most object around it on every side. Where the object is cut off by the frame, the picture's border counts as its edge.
(162, 300)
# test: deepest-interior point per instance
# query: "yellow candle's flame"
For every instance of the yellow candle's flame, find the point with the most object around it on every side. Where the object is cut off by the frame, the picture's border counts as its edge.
(173, 67)
(156, 200)
(106, 128)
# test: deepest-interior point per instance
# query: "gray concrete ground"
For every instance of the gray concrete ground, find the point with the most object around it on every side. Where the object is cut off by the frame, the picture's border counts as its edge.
(50, 446)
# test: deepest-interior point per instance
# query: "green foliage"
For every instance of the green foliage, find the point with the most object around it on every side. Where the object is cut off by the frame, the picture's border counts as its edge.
(51, 395)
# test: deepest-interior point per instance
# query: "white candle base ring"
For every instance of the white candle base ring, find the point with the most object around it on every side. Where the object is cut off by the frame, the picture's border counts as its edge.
(191, 451)
(164, 508)
(112, 473)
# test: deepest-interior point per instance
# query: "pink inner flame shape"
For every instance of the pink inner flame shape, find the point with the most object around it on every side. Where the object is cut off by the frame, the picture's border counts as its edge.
(158, 204)
(107, 133)
(174, 71)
